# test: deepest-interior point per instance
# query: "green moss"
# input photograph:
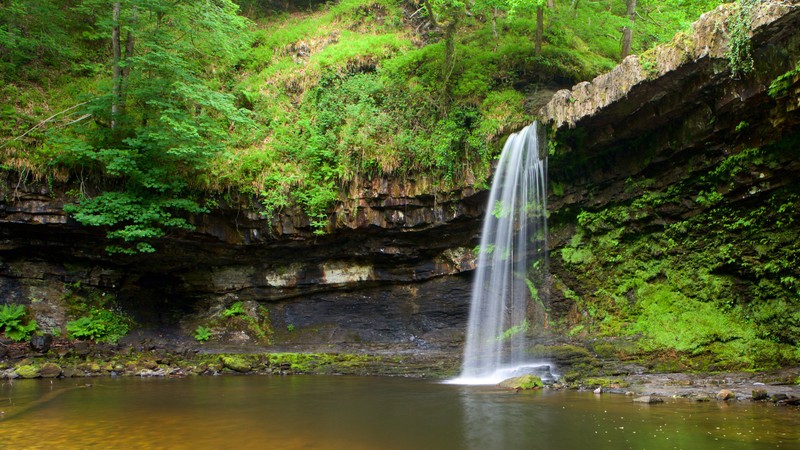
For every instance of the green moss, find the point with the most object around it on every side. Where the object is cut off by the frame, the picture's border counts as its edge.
(27, 371)
(237, 363)
(719, 287)
(605, 382)
(524, 382)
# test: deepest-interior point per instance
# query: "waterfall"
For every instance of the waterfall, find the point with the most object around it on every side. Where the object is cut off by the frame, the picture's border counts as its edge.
(511, 261)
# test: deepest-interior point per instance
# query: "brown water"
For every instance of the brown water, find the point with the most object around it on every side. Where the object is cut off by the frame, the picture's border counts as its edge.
(309, 412)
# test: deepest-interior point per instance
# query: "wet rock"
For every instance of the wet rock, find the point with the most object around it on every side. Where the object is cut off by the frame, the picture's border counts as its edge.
(41, 343)
(760, 394)
(598, 390)
(725, 395)
(50, 370)
(648, 399)
(82, 348)
(790, 401)
(236, 363)
(27, 371)
(778, 397)
(524, 382)
(151, 373)
(69, 372)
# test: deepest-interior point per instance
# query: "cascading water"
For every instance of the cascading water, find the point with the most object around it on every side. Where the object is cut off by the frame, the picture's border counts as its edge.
(512, 251)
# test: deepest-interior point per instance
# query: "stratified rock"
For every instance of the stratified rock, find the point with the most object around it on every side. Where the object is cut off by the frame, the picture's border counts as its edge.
(648, 399)
(726, 394)
(524, 382)
(41, 343)
(50, 370)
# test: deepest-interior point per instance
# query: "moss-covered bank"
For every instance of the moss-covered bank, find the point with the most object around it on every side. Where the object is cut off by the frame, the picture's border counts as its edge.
(693, 270)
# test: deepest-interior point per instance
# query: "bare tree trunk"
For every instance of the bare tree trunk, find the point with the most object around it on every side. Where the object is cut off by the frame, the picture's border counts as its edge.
(574, 5)
(126, 68)
(539, 29)
(551, 4)
(116, 70)
(627, 32)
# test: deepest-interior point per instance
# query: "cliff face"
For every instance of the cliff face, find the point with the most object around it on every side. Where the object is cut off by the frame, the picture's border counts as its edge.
(390, 274)
(395, 270)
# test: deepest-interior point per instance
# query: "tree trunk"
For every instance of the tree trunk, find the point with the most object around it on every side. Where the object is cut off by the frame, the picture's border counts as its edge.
(627, 32)
(431, 14)
(116, 70)
(539, 29)
(126, 68)
(449, 59)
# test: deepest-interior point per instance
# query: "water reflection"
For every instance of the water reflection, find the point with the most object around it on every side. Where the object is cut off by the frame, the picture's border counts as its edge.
(366, 413)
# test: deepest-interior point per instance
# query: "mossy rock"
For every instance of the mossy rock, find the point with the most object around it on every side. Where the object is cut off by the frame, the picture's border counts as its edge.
(50, 370)
(567, 357)
(236, 363)
(27, 371)
(614, 383)
(524, 382)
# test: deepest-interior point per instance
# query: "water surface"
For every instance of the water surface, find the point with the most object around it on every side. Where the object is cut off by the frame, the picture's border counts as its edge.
(316, 412)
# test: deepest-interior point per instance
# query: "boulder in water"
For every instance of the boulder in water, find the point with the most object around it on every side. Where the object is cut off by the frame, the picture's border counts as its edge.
(648, 399)
(524, 382)
(50, 370)
(726, 394)
(542, 371)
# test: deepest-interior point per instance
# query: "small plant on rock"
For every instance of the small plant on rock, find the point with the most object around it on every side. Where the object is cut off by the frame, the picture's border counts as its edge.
(236, 309)
(202, 334)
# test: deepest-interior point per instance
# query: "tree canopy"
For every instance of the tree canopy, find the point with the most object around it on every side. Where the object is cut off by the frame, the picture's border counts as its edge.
(153, 109)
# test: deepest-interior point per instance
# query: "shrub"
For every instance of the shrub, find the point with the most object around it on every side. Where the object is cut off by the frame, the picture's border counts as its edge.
(11, 322)
(100, 326)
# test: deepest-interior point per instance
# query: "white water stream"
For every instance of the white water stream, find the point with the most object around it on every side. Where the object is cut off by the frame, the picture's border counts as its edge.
(513, 246)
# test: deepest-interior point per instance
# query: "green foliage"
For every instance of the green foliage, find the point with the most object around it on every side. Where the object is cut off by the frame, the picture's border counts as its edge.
(236, 309)
(173, 117)
(515, 330)
(739, 51)
(709, 198)
(572, 255)
(290, 327)
(296, 110)
(781, 84)
(35, 38)
(202, 334)
(720, 285)
(97, 315)
(99, 325)
(247, 317)
(12, 318)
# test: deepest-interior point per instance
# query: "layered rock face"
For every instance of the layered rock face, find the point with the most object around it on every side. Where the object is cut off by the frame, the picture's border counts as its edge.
(390, 273)
(394, 270)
